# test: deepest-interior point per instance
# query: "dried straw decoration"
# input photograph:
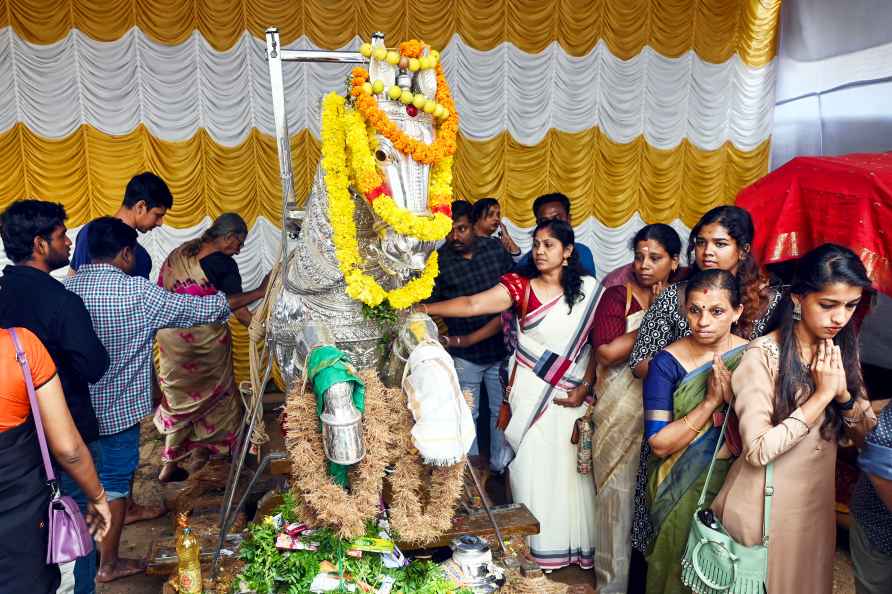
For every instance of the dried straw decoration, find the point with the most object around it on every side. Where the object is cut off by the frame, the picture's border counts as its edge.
(420, 517)
(424, 499)
(533, 584)
(325, 502)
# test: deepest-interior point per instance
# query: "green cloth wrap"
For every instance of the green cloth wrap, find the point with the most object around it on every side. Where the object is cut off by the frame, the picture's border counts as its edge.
(327, 366)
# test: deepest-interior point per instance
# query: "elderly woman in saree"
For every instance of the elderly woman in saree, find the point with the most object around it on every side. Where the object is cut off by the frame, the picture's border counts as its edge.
(618, 412)
(553, 372)
(687, 384)
(199, 409)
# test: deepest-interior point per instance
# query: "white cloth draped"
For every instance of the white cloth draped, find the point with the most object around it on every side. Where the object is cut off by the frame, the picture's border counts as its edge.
(834, 81)
(260, 252)
(444, 428)
(609, 245)
(174, 90)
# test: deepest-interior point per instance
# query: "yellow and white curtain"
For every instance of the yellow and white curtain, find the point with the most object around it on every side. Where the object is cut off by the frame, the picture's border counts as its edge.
(638, 110)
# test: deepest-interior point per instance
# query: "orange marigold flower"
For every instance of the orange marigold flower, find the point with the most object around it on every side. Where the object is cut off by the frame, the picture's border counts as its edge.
(411, 48)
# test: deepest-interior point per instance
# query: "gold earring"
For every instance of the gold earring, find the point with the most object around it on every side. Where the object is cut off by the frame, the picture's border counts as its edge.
(565, 261)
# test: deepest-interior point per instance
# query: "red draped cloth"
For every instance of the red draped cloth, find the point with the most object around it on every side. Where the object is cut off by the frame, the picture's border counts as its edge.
(814, 200)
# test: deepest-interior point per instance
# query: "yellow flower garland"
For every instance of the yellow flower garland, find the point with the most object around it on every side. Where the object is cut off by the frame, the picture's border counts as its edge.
(367, 178)
(360, 286)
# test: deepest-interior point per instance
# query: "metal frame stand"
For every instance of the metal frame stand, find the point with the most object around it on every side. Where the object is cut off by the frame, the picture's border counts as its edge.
(275, 56)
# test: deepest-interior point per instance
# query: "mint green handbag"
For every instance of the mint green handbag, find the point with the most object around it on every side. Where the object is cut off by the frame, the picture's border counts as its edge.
(713, 562)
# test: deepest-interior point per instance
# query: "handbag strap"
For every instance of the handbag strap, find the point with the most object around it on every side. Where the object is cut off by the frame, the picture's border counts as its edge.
(769, 480)
(35, 410)
(520, 323)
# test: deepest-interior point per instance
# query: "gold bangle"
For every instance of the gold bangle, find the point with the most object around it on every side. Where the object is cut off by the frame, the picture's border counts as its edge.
(99, 497)
(688, 425)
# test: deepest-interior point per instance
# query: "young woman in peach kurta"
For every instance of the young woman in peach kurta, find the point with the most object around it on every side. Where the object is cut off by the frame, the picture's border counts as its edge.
(802, 539)
(797, 390)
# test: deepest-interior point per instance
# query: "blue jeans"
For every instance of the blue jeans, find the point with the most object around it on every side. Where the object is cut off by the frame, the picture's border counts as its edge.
(84, 567)
(120, 458)
(470, 377)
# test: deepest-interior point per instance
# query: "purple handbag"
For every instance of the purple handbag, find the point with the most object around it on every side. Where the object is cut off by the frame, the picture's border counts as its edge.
(69, 537)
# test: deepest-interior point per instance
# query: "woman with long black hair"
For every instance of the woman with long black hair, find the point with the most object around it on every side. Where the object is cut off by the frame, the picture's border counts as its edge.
(797, 391)
(553, 374)
(722, 239)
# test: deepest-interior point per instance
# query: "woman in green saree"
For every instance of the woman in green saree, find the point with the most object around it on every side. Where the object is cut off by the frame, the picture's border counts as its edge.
(687, 387)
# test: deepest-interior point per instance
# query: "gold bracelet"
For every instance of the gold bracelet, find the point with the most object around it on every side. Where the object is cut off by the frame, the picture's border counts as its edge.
(688, 425)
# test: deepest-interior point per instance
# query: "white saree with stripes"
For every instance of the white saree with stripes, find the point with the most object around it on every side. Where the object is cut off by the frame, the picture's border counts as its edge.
(552, 355)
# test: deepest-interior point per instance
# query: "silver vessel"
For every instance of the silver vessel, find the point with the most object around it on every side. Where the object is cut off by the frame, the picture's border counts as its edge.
(341, 426)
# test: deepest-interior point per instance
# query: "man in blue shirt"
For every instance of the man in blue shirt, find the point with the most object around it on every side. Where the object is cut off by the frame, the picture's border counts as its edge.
(146, 200)
(557, 206)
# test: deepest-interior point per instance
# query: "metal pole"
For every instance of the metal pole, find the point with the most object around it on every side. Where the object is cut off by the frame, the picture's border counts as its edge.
(271, 457)
(483, 500)
(283, 139)
(235, 469)
(325, 56)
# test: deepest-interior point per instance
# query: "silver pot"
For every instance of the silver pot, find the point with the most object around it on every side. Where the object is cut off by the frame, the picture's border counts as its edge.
(341, 426)
(473, 557)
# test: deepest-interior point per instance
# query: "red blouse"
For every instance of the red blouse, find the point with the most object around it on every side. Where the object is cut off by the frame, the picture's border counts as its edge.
(517, 285)
(610, 316)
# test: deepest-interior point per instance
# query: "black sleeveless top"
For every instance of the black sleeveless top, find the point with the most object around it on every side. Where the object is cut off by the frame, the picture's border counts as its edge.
(24, 500)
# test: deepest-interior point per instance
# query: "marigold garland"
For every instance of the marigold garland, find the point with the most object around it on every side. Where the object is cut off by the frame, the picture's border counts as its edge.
(445, 143)
(367, 179)
(360, 286)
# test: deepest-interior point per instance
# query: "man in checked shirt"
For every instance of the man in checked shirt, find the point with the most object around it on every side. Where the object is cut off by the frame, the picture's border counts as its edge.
(126, 312)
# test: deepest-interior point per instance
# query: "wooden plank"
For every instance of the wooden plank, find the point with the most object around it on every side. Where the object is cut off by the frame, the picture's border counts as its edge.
(514, 520)
(280, 468)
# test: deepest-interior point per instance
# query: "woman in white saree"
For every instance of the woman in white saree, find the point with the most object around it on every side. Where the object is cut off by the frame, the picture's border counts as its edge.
(553, 373)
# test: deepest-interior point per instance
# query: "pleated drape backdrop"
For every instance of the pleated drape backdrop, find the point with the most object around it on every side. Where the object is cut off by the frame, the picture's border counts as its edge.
(638, 110)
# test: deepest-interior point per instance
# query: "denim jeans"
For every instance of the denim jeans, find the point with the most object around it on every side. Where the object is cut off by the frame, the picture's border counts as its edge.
(120, 459)
(85, 567)
(470, 377)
